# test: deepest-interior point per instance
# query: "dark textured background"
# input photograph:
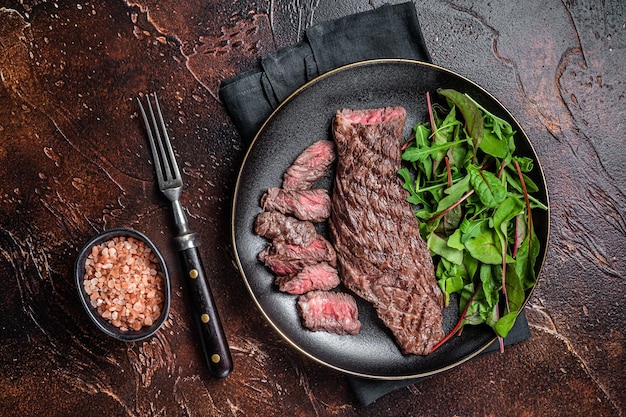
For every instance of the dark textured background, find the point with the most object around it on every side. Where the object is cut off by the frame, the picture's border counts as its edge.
(74, 161)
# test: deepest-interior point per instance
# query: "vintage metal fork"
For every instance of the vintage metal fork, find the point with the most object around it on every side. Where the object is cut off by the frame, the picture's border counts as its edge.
(214, 344)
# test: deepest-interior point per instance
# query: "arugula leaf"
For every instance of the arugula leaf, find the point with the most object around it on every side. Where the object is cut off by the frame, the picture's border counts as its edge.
(471, 228)
(526, 164)
(420, 154)
(498, 126)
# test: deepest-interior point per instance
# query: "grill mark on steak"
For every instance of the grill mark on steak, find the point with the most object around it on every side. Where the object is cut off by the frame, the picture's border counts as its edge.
(311, 165)
(333, 312)
(319, 250)
(280, 265)
(320, 276)
(272, 224)
(312, 205)
(381, 255)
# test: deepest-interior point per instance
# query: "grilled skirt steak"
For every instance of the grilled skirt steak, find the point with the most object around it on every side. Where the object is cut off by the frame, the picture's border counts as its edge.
(333, 312)
(381, 255)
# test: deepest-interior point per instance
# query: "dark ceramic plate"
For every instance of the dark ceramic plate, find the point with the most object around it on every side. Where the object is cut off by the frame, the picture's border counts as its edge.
(301, 120)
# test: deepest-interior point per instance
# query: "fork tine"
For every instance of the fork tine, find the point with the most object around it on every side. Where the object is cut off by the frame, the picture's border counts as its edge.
(165, 164)
(168, 145)
(153, 147)
(160, 145)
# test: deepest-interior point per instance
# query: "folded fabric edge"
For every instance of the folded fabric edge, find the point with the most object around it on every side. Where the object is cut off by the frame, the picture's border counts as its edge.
(247, 115)
(249, 109)
(389, 31)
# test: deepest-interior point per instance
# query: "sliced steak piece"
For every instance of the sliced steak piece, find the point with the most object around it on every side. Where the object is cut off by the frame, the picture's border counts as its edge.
(320, 276)
(281, 265)
(319, 250)
(311, 165)
(380, 252)
(312, 205)
(333, 312)
(286, 259)
(272, 224)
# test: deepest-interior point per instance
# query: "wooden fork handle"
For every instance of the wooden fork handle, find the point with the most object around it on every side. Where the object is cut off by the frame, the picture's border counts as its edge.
(214, 344)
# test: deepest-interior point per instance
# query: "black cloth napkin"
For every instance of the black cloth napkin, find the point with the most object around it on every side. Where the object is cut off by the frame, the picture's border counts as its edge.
(390, 31)
(386, 32)
(367, 391)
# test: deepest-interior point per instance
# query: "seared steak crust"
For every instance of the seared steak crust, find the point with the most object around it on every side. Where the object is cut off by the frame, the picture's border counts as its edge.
(273, 224)
(320, 276)
(319, 250)
(380, 252)
(311, 165)
(308, 205)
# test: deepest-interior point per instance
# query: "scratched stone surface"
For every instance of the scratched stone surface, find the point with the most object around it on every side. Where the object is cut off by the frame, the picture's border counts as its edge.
(74, 161)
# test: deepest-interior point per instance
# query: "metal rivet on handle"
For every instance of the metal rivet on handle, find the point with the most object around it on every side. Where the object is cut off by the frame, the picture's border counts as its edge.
(193, 273)
(204, 318)
(215, 358)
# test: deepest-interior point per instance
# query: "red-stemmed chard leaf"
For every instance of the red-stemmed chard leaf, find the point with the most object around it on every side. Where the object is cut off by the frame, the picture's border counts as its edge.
(458, 326)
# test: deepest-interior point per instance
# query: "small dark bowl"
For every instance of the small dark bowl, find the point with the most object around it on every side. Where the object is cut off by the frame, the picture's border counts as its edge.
(100, 322)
